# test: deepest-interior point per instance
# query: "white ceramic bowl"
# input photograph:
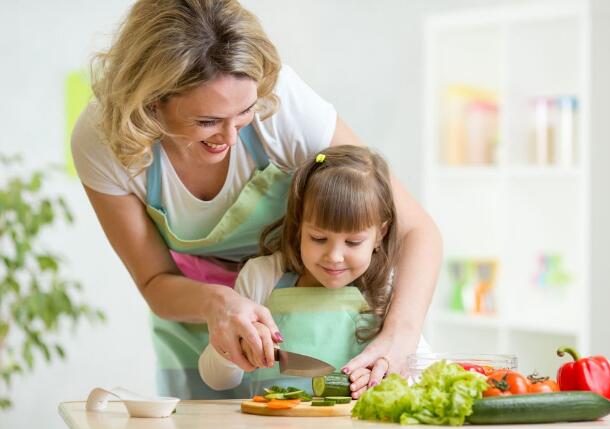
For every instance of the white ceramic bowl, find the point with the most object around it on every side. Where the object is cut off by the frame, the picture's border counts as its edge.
(160, 407)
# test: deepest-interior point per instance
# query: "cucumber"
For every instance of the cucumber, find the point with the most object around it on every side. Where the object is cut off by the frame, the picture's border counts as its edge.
(305, 397)
(271, 396)
(335, 384)
(293, 394)
(339, 399)
(322, 403)
(552, 407)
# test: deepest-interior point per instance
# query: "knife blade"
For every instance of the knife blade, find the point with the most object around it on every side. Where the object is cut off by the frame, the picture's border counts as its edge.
(301, 365)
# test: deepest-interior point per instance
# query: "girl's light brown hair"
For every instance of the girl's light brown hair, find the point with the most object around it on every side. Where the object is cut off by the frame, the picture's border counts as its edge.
(165, 48)
(348, 191)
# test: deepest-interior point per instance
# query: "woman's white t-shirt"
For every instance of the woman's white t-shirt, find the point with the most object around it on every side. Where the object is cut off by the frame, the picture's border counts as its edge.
(303, 125)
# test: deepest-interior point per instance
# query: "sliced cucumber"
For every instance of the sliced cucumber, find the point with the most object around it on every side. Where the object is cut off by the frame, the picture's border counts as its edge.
(339, 399)
(275, 396)
(293, 394)
(335, 384)
(324, 403)
(275, 389)
(305, 397)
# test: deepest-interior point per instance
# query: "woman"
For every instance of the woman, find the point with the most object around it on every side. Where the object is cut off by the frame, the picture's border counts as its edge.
(186, 155)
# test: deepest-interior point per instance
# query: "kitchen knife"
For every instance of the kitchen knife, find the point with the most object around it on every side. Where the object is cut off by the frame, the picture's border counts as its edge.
(301, 365)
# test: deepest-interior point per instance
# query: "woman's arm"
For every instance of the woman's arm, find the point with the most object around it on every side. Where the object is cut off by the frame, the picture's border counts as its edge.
(170, 295)
(414, 284)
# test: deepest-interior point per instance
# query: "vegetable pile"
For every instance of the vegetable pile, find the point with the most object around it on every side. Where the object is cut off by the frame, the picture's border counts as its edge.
(504, 382)
(282, 398)
(444, 396)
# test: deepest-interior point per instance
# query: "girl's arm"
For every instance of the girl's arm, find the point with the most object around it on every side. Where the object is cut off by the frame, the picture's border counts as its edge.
(414, 283)
(215, 370)
(168, 293)
(218, 372)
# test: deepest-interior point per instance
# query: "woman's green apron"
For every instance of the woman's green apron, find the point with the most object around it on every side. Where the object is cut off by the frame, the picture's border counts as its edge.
(315, 321)
(262, 201)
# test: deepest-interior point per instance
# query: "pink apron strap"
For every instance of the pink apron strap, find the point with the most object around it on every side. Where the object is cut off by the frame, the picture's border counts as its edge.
(201, 269)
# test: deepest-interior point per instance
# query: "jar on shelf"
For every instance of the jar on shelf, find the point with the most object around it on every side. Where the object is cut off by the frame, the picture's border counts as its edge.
(567, 112)
(543, 131)
(554, 128)
(469, 131)
(482, 132)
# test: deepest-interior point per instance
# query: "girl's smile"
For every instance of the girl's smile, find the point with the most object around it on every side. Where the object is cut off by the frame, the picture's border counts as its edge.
(334, 271)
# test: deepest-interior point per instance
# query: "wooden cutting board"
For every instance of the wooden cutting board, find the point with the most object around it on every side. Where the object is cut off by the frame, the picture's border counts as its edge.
(302, 410)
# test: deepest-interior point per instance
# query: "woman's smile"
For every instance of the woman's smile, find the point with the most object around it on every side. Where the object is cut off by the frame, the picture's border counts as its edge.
(213, 147)
(208, 117)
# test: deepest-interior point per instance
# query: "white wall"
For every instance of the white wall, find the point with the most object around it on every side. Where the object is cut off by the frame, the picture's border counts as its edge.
(365, 59)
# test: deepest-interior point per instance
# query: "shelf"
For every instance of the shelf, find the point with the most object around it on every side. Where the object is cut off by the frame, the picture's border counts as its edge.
(465, 320)
(544, 224)
(505, 172)
(543, 172)
(543, 329)
(494, 322)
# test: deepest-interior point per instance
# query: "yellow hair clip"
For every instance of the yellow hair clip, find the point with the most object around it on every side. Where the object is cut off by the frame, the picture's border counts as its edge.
(320, 158)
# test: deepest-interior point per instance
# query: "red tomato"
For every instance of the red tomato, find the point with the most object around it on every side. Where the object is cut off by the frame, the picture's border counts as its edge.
(472, 368)
(507, 380)
(488, 369)
(492, 391)
(541, 384)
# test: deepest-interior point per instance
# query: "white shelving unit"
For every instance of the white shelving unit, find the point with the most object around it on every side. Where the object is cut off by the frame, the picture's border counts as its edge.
(510, 208)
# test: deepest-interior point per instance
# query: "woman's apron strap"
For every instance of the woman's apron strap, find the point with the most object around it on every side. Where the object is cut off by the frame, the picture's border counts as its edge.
(153, 178)
(254, 146)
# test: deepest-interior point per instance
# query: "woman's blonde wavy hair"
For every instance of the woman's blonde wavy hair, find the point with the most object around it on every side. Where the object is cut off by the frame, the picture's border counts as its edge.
(350, 190)
(165, 48)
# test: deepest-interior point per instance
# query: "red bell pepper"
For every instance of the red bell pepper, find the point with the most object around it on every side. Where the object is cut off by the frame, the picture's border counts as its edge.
(590, 373)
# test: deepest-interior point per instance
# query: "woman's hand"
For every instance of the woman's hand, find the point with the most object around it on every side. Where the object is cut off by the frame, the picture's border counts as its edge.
(268, 349)
(382, 356)
(238, 318)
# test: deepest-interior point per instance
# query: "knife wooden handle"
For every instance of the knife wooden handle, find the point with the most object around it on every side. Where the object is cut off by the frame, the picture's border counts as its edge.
(276, 354)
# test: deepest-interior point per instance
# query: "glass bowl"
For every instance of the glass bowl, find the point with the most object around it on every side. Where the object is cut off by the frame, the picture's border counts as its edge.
(416, 363)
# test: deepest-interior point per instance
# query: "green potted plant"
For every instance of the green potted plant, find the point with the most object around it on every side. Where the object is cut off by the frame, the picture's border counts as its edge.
(37, 300)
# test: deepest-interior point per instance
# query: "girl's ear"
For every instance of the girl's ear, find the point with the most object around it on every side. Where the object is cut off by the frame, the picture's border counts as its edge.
(383, 230)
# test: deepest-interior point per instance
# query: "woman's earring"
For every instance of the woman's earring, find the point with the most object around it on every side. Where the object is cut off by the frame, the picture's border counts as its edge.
(376, 249)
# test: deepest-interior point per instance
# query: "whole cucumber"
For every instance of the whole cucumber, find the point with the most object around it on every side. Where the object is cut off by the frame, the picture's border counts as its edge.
(539, 408)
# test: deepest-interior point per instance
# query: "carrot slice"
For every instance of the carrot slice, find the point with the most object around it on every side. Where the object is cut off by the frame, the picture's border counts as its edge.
(259, 399)
(283, 404)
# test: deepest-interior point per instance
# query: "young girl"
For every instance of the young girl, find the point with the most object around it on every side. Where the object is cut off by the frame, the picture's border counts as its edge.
(338, 231)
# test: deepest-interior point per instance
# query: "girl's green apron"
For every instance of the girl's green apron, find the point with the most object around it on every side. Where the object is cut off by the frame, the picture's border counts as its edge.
(314, 321)
(262, 201)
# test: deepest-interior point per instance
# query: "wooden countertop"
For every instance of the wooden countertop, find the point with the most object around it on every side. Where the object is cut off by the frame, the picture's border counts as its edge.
(225, 414)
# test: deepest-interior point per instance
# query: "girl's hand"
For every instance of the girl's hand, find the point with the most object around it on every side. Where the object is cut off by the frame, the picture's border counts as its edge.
(361, 377)
(233, 319)
(382, 356)
(268, 348)
(360, 381)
